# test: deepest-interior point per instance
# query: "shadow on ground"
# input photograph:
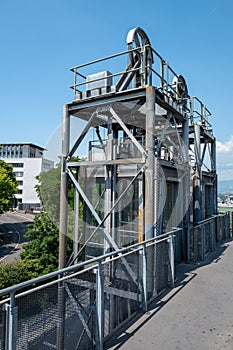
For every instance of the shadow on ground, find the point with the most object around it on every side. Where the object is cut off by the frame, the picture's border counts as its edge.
(185, 273)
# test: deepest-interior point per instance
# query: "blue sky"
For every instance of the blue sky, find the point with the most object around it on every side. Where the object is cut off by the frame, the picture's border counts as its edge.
(41, 40)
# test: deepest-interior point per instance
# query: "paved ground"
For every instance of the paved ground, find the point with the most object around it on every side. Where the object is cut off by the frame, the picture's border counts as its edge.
(196, 315)
(13, 226)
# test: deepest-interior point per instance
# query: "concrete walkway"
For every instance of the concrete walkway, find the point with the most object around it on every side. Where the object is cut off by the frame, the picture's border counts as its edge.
(196, 314)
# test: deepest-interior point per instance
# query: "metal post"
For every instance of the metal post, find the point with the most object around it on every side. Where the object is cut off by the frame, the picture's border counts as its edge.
(197, 178)
(99, 307)
(144, 278)
(203, 237)
(149, 172)
(172, 260)
(11, 331)
(108, 184)
(186, 243)
(149, 179)
(64, 188)
(76, 224)
(63, 226)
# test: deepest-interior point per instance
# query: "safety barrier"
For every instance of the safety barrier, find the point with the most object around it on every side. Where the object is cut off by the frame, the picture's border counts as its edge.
(205, 234)
(80, 306)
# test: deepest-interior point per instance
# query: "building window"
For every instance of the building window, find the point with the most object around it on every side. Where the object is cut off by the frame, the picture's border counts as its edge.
(19, 174)
(17, 165)
(20, 183)
(20, 191)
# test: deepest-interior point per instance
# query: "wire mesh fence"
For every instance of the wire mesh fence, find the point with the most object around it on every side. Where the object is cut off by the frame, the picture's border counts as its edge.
(207, 233)
(81, 306)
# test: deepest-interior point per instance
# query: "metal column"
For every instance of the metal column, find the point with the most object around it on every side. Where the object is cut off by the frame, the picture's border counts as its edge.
(186, 240)
(197, 177)
(64, 188)
(150, 162)
(63, 227)
(149, 180)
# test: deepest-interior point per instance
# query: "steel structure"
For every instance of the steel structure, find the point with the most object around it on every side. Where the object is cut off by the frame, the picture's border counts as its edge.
(147, 142)
(144, 199)
(144, 171)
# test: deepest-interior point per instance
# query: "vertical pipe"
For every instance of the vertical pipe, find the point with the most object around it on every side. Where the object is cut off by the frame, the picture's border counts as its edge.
(63, 227)
(171, 242)
(144, 278)
(64, 188)
(12, 323)
(149, 181)
(185, 234)
(203, 239)
(108, 184)
(215, 182)
(76, 224)
(99, 307)
(140, 210)
(197, 178)
(150, 162)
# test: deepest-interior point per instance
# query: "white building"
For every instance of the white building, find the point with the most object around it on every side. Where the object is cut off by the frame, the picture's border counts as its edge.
(28, 162)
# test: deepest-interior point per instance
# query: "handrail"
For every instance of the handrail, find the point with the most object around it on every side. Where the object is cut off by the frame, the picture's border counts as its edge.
(205, 221)
(91, 262)
(165, 75)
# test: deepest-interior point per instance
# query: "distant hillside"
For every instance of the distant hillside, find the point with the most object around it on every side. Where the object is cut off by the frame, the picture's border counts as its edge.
(225, 186)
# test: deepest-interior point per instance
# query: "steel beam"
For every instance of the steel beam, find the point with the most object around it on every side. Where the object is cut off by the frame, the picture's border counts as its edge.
(64, 188)
(149, 182)
(63, 226)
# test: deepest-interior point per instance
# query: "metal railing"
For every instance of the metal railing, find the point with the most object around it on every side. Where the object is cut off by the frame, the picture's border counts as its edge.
(205, 234)
(137, 75)
(82, 305)
(199, 112)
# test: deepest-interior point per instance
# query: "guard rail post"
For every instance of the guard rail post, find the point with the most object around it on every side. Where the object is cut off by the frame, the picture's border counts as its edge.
(11, 323)
(171, 260)
(99, 307)
(144, 278)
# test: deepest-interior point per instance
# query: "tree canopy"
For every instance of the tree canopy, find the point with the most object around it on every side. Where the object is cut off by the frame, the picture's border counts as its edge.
(40, 255)
(48, 190)
(8, 186)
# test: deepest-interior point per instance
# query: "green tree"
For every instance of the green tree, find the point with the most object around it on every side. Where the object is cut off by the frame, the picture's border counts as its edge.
(48, 190)
(8, 186)
(40, 255)
(11, 274)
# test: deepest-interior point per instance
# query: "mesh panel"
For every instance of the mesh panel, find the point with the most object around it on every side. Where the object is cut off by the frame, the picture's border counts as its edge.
(122, 291)
(162, 265)
(37, 319)
(80, 312)
(67, 311)
(2, 329)
(38, 316)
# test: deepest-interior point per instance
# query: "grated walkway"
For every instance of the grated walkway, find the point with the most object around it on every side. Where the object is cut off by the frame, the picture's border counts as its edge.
(196, 314)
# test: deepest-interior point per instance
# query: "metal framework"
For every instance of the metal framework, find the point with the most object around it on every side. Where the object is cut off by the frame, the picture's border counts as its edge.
(144, 199)
(150, 164)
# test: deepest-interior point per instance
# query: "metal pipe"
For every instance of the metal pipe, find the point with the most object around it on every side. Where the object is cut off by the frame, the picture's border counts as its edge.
(76, 224)
(12, 323)
(105, 58)
(144, 278)
(149, 180)
(64, 188)
(99, 307)
(81, 265)
(149, 171)
(172, 260)
(63, 227)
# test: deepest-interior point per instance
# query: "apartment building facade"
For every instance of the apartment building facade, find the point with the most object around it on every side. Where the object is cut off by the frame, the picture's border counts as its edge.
(28, 161)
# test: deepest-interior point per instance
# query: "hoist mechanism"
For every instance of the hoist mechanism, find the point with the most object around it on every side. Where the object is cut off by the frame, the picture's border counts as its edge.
(140, 63)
